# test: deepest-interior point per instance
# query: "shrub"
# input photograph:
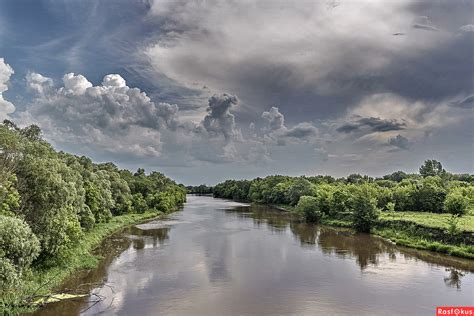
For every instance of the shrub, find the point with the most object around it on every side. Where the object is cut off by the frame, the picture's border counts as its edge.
(139, 203)
(456, 203)
(18, 248)
(17, 242)
(364, 207)
(9, 276)
(308, 208)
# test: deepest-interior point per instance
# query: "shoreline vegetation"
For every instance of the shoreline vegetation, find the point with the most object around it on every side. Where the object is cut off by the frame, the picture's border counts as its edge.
(410, 231)
(431, 210)
(55, 208)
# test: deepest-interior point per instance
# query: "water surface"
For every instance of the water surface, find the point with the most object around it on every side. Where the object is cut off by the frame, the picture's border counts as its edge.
(217, 257)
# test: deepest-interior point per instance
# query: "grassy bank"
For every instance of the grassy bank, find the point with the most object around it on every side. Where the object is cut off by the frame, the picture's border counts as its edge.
(41, 281)
(420, 230)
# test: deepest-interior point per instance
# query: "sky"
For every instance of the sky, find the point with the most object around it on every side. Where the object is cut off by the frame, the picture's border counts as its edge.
(205, 91)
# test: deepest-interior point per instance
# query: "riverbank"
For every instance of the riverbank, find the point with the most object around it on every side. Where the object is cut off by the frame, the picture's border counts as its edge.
(41, 281)
(419, 230)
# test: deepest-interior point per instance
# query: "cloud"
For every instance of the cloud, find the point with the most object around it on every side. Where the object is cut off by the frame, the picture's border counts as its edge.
(424, 23)
(468, 28)
(219, 120)
(274, 119)
(372, 124)
(111, 116)
(400, 142)
(75, 84)
(466, 103)
(300, 131)
(120, 120)
(6, 107)
(38, 83)
(275, 130)
(302, 54)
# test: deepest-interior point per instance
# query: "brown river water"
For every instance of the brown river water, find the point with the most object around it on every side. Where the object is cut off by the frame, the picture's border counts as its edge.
(218, 257)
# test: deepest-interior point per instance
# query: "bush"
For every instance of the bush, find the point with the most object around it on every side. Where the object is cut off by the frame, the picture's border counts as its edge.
(18, 248)
(308, 208)
(456, 203)
(17, 242)
(9, 276)
(364, 207)
(299, 188)
(139, 203)
(429, 195)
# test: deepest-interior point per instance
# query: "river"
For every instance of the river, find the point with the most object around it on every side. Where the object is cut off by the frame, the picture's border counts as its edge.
(218, 257)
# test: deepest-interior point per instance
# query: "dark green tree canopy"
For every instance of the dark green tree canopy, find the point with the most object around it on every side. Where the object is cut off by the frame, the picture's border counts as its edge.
(431, 168)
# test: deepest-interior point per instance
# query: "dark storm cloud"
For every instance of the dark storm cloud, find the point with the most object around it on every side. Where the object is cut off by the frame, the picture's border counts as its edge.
(303, 58)
(467, 103)
(373, 124)
(400, 142)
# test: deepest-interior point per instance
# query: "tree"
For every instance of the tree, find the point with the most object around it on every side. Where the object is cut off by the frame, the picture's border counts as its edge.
(18, 248)
(431, 168)
(308, 208)
(429, 195)
(456, 203)
(396, 176)
(299, 188)
(9, 196)
(364, 207)
(98, 195)
(48, 202)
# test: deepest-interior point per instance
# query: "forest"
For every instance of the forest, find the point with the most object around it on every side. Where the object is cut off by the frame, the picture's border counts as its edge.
(433, 209)
(54, 204)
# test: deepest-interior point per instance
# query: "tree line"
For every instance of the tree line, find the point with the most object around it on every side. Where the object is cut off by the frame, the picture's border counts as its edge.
(50, 199)
(357, 197)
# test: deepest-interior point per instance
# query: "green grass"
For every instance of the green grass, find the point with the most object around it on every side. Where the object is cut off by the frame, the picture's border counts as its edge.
(408, 240)
(434, 220)
(42, 280)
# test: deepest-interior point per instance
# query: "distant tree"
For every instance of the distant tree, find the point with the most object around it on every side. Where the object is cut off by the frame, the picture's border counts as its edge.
(397, 176)
(140, 172)
(32, 132)
(431, 168)
(356, 178)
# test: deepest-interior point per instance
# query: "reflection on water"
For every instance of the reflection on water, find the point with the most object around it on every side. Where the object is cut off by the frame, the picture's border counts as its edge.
(218, 257)
(454, 278)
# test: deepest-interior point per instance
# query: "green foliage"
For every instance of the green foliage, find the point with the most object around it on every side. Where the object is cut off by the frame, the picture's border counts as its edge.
(324, 198)
(121, 193)
(49, 202)
(60, 196)
(456, 203)
(390, 207)
(364, 207)
(9, 196)
(453, 225)
(298, 189)
(199, 189)
(98, 195)
(432, 168)
(308, 208)
(139, 203)
(18, 248)
(428, 195)
(340, 200)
